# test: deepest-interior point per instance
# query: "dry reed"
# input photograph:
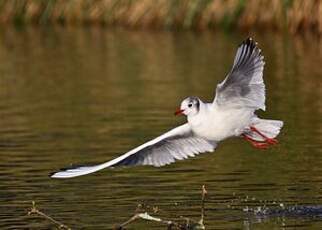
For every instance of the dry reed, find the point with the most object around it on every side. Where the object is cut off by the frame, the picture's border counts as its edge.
(293, 15)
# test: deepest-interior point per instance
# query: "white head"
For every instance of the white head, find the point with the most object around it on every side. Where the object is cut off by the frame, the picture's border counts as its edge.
(189, 106)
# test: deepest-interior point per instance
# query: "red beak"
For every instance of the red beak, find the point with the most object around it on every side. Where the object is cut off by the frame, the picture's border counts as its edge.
(178, 112)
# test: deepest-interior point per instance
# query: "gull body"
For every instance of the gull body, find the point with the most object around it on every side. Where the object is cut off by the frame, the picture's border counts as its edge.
(230, 114)
(216, 124)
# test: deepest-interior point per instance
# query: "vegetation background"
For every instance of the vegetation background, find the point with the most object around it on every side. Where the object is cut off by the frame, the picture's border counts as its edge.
(291, 15)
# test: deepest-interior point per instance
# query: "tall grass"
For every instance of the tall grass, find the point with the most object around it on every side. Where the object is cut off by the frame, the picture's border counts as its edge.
(293, 15)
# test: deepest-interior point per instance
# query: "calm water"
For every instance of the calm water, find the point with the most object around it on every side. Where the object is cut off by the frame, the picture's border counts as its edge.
(75, 96)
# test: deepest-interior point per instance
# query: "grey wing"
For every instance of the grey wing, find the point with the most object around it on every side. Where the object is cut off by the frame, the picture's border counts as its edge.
(244, 85)
(177, 144)
(169, 150)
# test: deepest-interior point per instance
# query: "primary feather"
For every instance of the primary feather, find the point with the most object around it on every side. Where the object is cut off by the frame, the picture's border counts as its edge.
(177, 144)
(244, 86)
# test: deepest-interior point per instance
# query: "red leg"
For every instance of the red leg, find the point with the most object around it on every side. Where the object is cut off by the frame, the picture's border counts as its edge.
(268, 140)
(259, 145)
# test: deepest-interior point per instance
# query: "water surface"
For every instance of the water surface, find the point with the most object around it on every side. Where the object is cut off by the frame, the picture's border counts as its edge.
(75, 96)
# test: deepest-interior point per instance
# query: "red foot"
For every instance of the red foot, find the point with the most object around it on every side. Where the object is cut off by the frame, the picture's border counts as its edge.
(260, 145)
(256, 144)
(270, 141)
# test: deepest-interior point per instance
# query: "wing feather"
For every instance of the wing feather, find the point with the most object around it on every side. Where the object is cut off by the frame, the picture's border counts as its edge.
(244, 85)
(177, 144)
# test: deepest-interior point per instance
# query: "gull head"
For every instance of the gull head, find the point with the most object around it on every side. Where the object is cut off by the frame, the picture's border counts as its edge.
(189, 106)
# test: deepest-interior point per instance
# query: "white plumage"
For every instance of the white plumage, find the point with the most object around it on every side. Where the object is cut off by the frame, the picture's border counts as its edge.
(230, 114)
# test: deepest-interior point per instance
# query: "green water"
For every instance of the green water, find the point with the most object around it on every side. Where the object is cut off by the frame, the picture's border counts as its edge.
(75, 96)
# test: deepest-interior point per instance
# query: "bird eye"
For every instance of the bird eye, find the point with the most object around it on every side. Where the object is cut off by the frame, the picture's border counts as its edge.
(190, 105)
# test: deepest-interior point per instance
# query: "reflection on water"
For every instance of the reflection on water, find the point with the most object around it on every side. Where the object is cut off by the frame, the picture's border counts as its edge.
(72, 96)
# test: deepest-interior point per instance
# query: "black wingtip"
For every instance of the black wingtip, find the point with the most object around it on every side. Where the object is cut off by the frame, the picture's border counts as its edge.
(68, 168)
(74, 167)
(249, 41)
(64, 169)
(51, 174)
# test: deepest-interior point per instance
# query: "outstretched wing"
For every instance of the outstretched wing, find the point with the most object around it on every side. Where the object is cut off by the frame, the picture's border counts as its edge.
(244, 85)
(177, 144)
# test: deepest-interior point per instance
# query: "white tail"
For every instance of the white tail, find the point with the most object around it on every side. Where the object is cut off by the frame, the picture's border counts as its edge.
(269, 128)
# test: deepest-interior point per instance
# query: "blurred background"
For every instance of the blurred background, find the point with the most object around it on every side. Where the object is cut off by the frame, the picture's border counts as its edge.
(287, 15)
(85, 81)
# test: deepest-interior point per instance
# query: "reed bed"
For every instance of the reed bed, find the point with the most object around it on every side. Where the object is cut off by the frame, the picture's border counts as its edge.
(292, 15)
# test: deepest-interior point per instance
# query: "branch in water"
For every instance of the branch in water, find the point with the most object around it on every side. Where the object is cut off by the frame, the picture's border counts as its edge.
(190, 224)
(146, 216)
(203, 198)
(34, 210)
(171, 225)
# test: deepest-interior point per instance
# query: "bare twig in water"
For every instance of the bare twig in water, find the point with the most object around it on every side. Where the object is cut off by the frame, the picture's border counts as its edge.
(146, 216)
(34, 210)
(188, 225)
(203, 198)
(141, 214)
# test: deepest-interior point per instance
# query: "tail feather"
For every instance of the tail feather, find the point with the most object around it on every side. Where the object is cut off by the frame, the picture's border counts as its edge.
(269, 128)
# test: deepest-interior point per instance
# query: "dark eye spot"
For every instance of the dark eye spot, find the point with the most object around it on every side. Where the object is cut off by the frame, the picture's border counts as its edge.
(190, 105)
